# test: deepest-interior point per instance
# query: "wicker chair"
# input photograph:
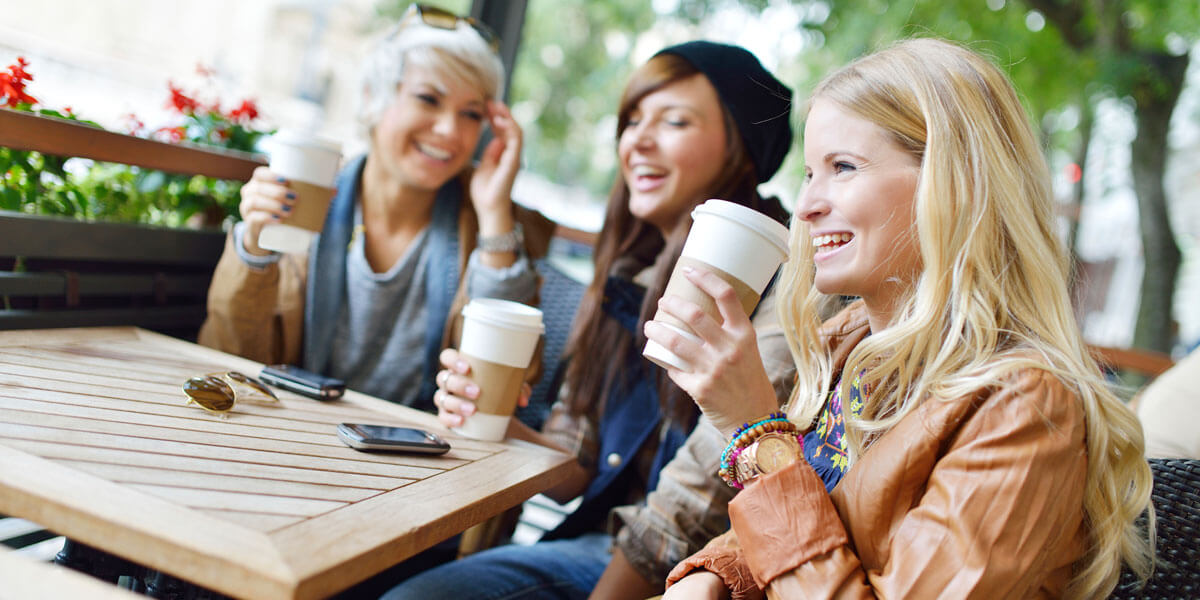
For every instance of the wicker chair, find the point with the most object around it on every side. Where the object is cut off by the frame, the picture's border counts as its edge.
(1176, 499)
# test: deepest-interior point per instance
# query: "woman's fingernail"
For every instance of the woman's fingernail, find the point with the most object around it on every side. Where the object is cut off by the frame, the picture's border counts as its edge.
(687, 269)
(287, 208)
(468, 409)
(472, 390)
(280, 180)
(461, 366)
(291, 195)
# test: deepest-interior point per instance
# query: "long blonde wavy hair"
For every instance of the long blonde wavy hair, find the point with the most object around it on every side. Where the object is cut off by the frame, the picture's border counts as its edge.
(992, 295)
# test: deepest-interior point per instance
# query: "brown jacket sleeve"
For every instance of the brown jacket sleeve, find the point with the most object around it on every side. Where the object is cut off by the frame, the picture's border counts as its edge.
(256, 313)
(998, 517)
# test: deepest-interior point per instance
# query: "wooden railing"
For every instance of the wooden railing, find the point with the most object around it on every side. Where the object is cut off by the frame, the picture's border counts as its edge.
(1143, 362)
(60, 137)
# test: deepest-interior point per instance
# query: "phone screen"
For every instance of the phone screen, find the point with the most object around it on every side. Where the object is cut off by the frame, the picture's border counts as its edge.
(397, 435)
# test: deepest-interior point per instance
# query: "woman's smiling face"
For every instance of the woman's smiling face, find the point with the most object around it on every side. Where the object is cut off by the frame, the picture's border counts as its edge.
(672, 150)
(859, 205)
(430, 130)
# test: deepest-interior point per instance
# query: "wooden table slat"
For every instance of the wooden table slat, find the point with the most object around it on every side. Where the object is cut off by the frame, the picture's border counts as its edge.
(190, 464)
(239, 501)
(221, 482)
(83, 443)
(331, 448)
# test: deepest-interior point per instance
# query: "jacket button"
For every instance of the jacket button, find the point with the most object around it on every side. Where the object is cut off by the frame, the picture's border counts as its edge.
(614, 460)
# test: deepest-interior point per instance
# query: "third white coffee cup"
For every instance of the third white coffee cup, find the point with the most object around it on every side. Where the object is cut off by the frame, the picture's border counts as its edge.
(740, 245)
(498, 340)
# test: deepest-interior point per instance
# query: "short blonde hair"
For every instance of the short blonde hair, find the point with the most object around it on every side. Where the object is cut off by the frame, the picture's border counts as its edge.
(460, 55)
(992, 294)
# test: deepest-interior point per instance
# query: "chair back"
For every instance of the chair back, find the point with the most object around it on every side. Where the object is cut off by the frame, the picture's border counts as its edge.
(560, 297)
(1176, 498)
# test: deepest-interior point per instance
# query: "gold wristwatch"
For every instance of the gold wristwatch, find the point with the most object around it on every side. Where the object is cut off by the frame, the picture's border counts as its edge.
(769, 453)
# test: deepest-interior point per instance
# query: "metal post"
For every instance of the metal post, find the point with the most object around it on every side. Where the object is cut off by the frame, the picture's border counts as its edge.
(506, 18)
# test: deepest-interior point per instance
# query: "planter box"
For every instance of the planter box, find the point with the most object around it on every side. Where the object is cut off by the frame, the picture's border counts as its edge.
(66, 273)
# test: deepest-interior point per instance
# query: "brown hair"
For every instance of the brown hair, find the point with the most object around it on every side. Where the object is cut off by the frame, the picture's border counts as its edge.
(627, 245)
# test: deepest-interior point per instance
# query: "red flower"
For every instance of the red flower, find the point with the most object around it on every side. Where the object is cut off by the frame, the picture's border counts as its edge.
(12, 84)
(245, 112)
(171, 134)
(133, 124)
(180, 101)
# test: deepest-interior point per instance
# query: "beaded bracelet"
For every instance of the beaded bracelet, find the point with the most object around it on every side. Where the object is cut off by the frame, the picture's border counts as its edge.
(737, 433)
(745, 435)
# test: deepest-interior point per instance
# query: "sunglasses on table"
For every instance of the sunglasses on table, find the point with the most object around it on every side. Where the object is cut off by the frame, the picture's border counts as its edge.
(444, 19)
(218, 392)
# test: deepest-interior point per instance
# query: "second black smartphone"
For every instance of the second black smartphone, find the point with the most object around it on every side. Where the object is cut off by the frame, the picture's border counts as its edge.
(305, 383)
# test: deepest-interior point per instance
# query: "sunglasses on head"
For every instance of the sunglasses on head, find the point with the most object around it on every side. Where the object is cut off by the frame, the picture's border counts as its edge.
(218, 392)
(444, 19)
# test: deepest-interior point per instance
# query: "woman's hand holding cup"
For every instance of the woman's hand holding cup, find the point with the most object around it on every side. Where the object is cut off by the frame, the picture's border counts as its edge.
(266, 199)
(726, 377)
(457, 392)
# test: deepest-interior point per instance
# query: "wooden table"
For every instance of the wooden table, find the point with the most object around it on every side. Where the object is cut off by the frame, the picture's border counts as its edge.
(97, 443)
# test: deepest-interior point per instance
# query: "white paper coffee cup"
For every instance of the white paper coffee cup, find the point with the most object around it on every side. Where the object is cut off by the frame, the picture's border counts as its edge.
(740, 245)
(498, 340)
(310, 165)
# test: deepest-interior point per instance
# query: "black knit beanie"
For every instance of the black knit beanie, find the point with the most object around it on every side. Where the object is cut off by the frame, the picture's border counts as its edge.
(760, 104)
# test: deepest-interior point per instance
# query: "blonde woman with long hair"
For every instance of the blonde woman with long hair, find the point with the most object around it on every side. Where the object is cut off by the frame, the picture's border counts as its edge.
(949, 435)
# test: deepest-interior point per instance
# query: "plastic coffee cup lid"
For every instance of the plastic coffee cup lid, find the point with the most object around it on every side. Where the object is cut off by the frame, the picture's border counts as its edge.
(295, 137)
(505, 313)
(773, 231)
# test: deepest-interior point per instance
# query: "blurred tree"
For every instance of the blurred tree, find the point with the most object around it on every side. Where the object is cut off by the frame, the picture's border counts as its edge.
(1063, 55)
(1142, 47)
(574, 59)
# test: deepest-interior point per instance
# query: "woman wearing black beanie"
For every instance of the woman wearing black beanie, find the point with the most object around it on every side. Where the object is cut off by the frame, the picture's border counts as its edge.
(698, 120)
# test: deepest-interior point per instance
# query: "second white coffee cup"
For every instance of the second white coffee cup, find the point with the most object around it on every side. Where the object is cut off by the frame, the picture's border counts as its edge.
(498, 340)
(740, 245)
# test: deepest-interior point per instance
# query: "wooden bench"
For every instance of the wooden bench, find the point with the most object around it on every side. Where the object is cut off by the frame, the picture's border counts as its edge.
(37, 580)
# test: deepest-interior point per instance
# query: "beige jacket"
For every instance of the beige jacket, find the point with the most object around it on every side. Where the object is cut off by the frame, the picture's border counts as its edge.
(975, 497)
(259, 313)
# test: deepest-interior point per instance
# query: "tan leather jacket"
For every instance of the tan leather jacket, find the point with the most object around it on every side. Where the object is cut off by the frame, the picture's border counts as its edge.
(974, 497)
(259, 313)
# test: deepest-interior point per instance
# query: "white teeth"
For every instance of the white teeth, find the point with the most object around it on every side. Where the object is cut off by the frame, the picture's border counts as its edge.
(647, 171)
(830, 239)
(433, 152)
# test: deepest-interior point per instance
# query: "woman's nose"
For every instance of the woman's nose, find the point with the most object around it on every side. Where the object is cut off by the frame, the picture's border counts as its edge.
(639, 134)
(445, 123)
(813, 202)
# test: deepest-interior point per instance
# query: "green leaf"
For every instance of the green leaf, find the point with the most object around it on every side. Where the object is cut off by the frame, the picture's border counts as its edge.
(10, 199)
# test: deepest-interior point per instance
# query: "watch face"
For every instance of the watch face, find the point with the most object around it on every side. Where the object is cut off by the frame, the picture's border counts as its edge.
(775, 452)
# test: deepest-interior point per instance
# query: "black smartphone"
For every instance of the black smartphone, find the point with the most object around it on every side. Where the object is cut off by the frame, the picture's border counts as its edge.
(391, 439)
(305, 383)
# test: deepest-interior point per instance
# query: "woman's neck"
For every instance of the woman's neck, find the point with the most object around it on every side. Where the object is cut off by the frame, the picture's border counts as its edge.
(882, 308)
(391, 205)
